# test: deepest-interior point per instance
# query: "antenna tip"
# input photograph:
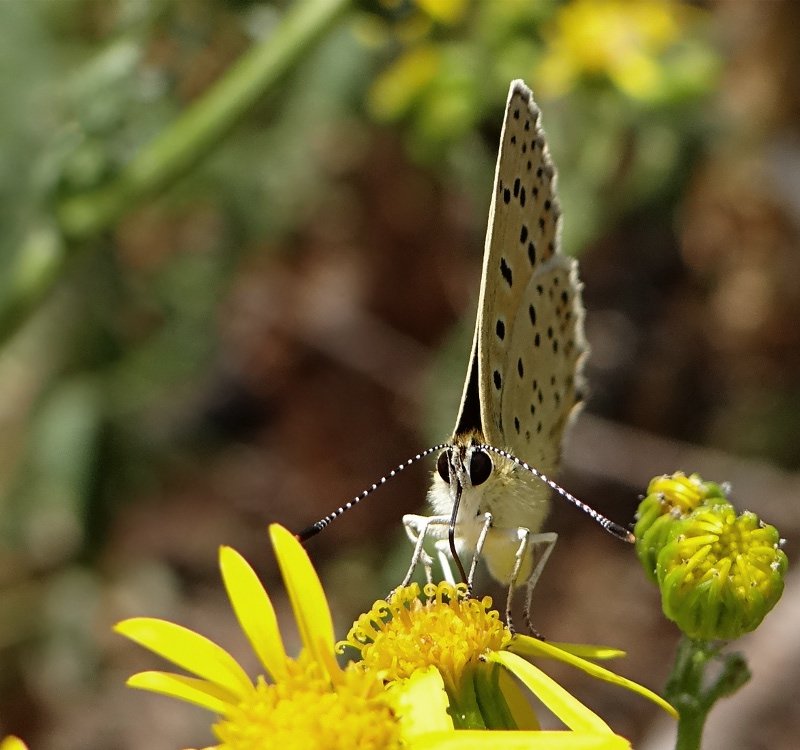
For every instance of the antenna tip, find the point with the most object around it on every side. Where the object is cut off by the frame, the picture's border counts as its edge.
(620, 532)
(307, 533)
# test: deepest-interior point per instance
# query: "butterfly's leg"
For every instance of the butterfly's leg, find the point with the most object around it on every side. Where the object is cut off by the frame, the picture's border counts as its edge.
(522, 536)
(487, 524)
(443, 552)
(548, 541)
(416, 530)
(527, 543)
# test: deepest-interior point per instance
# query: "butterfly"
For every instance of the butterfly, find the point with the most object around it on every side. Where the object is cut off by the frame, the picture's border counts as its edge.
(524, 384)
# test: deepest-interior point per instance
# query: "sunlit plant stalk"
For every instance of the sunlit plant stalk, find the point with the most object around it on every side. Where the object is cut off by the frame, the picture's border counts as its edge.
(79, 218)
(691, 690)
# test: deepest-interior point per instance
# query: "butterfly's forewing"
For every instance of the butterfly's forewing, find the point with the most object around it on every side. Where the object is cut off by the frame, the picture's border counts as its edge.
(529, 342)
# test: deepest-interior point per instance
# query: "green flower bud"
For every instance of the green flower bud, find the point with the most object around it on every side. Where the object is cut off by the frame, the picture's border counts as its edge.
(669, 499)
(720, 573)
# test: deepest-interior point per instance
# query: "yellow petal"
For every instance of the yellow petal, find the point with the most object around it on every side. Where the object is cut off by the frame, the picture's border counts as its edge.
(584, 650)
(306, 595)
(421, 703)
(188, 650)
(254, 611)
(200, 692)
(562, 703)
(12, 743)
(517, 702)
(532, 647)
(483, 739)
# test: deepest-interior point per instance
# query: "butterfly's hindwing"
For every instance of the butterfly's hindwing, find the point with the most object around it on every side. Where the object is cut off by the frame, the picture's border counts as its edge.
(543, 357)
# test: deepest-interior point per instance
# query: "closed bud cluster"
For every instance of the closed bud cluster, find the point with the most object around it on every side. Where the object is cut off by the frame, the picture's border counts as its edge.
(668, 499)
(719, 573)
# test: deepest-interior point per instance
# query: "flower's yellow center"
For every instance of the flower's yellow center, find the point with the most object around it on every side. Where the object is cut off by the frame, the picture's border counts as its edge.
(448, 630)
(305, 711)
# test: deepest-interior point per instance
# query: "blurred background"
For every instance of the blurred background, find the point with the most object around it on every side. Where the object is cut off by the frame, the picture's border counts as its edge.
(241, 247)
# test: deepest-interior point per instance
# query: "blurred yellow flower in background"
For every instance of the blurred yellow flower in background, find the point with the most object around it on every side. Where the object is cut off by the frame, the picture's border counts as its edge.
(619, 39)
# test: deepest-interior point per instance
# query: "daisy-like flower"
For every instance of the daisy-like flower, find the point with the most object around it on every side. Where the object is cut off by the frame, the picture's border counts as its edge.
(475, 653)
(308, 702)
(311, 702)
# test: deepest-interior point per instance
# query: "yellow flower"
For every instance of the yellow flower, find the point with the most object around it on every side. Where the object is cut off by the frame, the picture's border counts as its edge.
(350, 707)
(619, 39)
(475, 654)
(12, 743)
(310, 701)
(396, 88)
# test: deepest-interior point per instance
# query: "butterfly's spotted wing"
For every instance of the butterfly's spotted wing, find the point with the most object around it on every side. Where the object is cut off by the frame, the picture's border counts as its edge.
(525, 376)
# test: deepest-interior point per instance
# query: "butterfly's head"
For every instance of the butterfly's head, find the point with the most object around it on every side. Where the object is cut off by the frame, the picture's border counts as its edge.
(463, 467)
(470, 466)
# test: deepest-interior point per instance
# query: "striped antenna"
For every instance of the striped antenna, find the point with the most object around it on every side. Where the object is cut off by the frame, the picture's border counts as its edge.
(610, 526)
(323, 523)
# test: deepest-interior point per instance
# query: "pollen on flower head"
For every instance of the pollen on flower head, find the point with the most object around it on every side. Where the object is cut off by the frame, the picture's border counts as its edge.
(447, 630)
(304, 710)
(720, 573)
(669, 499)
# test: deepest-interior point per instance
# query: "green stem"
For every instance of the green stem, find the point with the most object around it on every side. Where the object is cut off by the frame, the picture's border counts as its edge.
(43, 255)
(694, 693)
(201, 126)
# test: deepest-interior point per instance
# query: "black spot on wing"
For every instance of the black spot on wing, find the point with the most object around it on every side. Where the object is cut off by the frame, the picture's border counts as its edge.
(505, 271)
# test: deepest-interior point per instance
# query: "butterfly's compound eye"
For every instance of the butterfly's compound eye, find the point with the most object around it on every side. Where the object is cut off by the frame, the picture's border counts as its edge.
(443, 466)
(480, 467)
